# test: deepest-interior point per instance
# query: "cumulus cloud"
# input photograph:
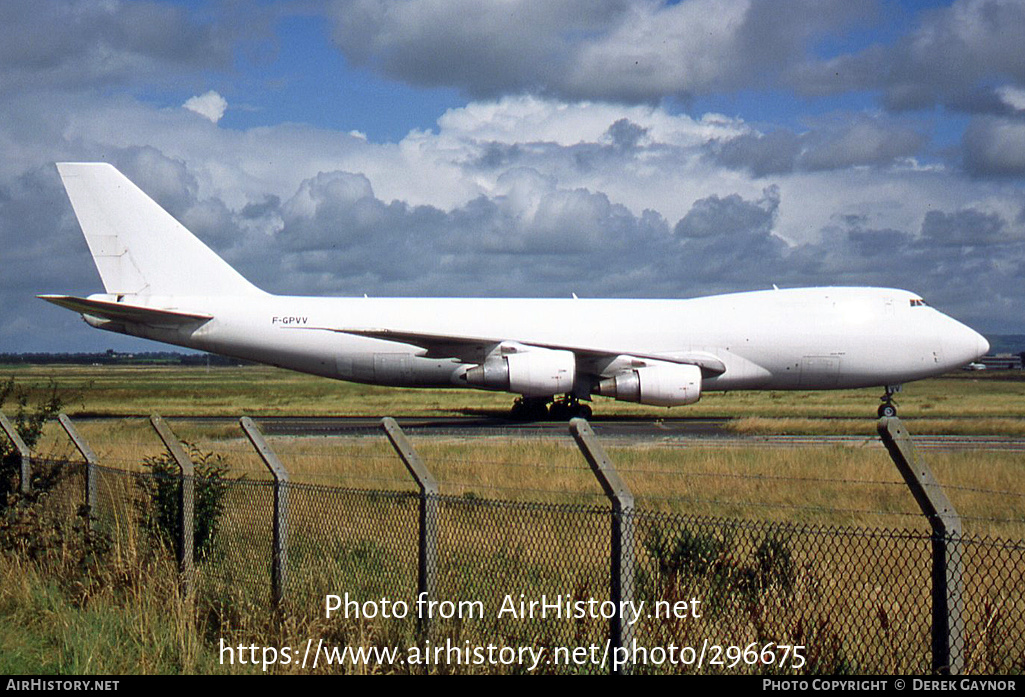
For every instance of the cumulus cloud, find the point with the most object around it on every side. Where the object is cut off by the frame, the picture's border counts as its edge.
(1013, 97)
(968, 227)
(859, 141)
(995, 146)
(209, 105)
(730, 239)
(637, 51)
(839, 142)
(77, 44)
(762, 154)
(729, 217)
(951, 57)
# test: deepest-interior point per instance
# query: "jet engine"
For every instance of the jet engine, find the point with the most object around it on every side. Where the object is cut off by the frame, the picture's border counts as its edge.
(526, 370)
(662, 385)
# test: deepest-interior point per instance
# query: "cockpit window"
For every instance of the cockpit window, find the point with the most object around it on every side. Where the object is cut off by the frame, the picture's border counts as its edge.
(917, 302)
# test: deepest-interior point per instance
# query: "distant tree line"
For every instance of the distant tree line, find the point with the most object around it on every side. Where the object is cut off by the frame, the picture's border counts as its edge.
(111, 357)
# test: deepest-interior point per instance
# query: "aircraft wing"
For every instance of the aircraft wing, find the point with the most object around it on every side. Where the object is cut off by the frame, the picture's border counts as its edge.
(122, 312)
(465, 347)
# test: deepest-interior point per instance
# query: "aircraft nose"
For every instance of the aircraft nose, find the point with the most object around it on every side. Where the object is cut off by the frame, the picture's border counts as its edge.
(982, 347)
(964, 345)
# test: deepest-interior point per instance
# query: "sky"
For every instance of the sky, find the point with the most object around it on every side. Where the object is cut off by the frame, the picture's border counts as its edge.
(536, 148)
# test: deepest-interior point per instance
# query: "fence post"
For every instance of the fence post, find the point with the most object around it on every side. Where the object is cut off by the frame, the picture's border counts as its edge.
(947, 562)
(26, 457)
(186, 502)
(624, 553)
(90, 462)
(427, 562)
(279, 554)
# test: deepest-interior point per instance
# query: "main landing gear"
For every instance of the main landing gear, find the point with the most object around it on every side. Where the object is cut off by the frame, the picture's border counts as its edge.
(888, 408)
(547, 409)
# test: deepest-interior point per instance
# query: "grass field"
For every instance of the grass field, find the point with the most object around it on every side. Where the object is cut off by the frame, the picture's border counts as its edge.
(62, 613)
(862, 585)
(839, 485)
(961, 403)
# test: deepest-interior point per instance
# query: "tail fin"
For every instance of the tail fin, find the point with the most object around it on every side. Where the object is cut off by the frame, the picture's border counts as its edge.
(137, 246)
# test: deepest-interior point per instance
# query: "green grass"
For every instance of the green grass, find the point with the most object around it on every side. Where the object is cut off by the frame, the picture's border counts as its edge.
(960, 403)
(50, 629)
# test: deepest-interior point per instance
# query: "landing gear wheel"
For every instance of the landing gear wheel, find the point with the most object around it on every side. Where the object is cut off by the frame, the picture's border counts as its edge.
(529, 409)
(560, 411)
(568, 408)
(888, 408)
(538, 409)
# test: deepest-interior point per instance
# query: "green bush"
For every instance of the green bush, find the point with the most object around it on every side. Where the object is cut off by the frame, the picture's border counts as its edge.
(775, 564)
(711, 559)
(28, 421)
(161, 497)
(687, 554)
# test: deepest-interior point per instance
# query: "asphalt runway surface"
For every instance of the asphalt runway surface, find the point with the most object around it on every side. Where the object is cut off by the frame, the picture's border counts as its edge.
(639, 428)
(634, 430)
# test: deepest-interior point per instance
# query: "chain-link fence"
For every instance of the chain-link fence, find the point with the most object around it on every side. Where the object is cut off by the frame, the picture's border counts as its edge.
(730, 595)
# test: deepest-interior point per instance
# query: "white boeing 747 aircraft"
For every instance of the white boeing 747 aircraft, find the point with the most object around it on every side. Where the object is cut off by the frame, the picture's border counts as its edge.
(163, 283)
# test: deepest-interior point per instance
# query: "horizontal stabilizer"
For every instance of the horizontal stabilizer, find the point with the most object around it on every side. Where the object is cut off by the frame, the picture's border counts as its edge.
(121, 312)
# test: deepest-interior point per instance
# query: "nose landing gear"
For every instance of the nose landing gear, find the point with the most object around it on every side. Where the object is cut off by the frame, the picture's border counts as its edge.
(888, 408)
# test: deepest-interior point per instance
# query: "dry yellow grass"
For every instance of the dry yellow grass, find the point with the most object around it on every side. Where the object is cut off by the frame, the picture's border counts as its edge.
(863, 590)
(861, 593)
(850, 484)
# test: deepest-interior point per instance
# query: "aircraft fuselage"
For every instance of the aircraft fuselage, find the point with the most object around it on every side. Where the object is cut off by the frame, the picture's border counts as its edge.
(809, 338)
(163, 283)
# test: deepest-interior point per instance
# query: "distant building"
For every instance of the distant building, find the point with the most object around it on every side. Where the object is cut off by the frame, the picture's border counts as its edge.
(1003, 361)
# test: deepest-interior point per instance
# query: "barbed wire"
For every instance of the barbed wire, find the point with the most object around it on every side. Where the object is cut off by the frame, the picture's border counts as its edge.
(494, 487)
(755, 504)
(1019, 521)
(773, 477)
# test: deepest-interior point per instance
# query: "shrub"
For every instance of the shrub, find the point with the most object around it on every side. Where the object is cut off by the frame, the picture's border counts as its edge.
(775, 564)
(714, 561)
(687, 554)
(161, 497)
(31, 524)
(29, 422)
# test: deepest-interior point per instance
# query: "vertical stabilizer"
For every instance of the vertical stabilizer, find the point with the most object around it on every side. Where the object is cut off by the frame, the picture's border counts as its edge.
(138, 247)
